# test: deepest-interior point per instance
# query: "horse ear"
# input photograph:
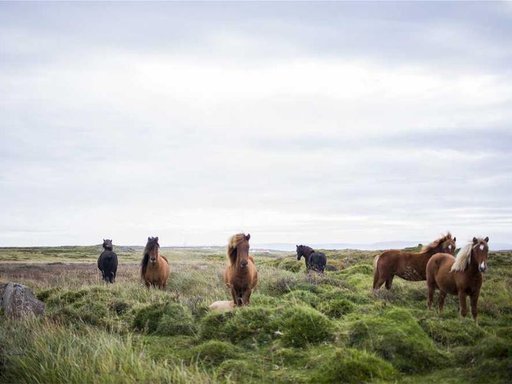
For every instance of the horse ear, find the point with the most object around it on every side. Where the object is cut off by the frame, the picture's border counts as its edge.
(156, 239)
(475, 240)
(248, 236)
(149, 238)
(454, 239)
(487, 239)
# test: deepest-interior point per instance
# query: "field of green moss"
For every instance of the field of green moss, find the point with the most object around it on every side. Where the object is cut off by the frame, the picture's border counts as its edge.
(299, 328)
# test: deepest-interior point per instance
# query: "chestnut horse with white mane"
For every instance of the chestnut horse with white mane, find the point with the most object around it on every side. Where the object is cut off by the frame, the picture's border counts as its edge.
(461, 275)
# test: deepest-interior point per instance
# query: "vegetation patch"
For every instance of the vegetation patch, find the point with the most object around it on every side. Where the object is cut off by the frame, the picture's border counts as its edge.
(396, 336)
(350, 366)
(300, 325)
(164, 319)
(453, 332)
(214, 352)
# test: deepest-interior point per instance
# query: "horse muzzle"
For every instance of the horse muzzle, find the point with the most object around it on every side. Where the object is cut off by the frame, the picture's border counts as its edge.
(152, 261)
(482, 267)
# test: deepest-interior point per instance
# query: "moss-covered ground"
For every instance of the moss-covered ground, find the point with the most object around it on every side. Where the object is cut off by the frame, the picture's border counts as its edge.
(299, 328)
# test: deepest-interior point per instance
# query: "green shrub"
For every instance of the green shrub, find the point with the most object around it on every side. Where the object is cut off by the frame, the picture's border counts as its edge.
(215, 352)
(213, 325)
(300, 325)
(302, 297)
(251, 324)
(396, 336)
(336, 308)
(164, 319)
(350, 366)
(453, 332)
(292, 265)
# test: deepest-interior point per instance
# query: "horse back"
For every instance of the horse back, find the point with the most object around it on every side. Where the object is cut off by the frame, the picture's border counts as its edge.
(439, 272)
(388, 260)
(107, 260)
(317, 261)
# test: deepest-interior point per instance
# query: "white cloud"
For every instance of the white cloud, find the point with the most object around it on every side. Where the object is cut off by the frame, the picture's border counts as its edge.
(191, 147)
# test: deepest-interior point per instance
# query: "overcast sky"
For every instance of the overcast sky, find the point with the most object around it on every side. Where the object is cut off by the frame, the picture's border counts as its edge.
(296, 122)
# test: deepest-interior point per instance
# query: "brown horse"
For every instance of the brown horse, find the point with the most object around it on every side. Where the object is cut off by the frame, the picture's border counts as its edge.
(408, 265)
(240, 275)
(461, 275)
(154, 267)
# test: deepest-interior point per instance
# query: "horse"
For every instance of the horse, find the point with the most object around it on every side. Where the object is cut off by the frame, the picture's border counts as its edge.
(107, 262)
(240, 275)
(154, 267)
(315, 261)
(408, 265)
(461, 275)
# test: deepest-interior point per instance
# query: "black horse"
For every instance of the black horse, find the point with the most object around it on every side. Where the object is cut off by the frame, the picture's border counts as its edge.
(315, 261)
(107, 262)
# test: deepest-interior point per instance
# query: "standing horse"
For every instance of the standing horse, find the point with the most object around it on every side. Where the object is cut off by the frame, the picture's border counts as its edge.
(107, 262)
(408, 265)
(461, 275)
(154, 267)
(315, 261)
(240, 275)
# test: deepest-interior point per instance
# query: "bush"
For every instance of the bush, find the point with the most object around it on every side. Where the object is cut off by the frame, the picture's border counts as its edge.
(300, 325)
(214, 352)
(396, 336)
(336, 308)
(453, 332)
(164, 319)
(351, 366)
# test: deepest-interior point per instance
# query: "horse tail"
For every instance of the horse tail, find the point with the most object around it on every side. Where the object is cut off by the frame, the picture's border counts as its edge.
(375, 262)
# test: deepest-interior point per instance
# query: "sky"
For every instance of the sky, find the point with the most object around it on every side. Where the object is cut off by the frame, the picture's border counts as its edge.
(296, 122)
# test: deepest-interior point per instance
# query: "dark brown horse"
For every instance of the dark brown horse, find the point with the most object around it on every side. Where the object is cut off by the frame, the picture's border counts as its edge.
(315, 261)
(240, 275)
(461, 275)
(154, 267)
(408, 265)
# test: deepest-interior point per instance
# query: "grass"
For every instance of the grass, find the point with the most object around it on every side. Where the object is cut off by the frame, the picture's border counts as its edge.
(298, 329)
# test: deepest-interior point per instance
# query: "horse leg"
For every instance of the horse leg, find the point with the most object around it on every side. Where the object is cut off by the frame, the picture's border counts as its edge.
(234, 295)
(389, 282)
(431, 291)
(247, 297)
(474, 301)
(442, 296)
(463, 305)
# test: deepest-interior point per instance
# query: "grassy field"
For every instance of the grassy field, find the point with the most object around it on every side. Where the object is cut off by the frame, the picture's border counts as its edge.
(298, 329)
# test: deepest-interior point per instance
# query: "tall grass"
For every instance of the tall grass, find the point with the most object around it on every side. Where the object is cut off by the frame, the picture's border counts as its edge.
(299, 328)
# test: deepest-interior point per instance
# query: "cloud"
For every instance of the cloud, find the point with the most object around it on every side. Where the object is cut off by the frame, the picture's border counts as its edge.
(291, 126)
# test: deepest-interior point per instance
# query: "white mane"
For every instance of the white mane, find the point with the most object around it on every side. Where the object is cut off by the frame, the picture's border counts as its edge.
(462, 259)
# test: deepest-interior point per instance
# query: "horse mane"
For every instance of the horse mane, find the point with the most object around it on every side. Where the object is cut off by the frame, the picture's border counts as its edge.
(234, 241)
(152, 242)
(436, 243)
(462, 259)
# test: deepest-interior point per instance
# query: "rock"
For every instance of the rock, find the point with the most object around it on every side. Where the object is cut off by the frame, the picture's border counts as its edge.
(17, 301)
(222, 306)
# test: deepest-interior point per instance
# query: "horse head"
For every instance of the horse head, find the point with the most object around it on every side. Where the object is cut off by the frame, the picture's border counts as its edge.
(449, 245)
(480, 252)
(152, 248)
(242, 251)
(299, 251)
(107, 244)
